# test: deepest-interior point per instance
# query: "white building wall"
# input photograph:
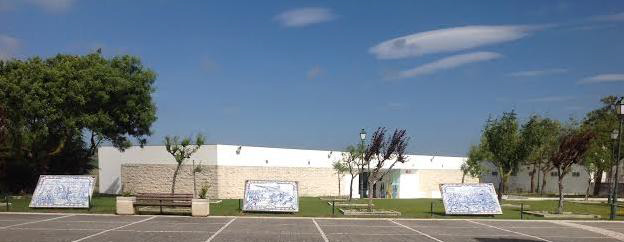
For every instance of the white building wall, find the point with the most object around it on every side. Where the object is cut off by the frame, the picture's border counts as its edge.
(111, 159)
(521, 182)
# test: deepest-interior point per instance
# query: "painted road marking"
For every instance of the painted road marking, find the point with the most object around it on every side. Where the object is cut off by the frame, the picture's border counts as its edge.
(219, 231)
(320, 230)
(417, 231)
(108, 230)
(506, 230)
(32, 222)
(612, 234)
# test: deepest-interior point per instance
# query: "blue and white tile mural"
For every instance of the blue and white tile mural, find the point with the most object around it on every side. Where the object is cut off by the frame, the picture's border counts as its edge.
(63, 192)
(479, 198)
(271, 196)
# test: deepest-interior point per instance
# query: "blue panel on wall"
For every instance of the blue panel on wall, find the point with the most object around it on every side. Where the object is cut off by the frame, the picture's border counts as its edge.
(271, 196)
(475, 199)
(63, 192)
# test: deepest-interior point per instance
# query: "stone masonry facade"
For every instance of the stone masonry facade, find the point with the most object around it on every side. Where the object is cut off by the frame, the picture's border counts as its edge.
(226, 182)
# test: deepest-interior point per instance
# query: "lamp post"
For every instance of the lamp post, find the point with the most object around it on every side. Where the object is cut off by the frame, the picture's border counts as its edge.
(619, 109)
(362, 140)
(614, 136)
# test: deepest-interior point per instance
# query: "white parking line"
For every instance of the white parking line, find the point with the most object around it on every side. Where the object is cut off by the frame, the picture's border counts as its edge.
(506, 230)
(219, 231)
(108, 230)
(32, 222)
(417, 231)
(320, 230)
(606, 232)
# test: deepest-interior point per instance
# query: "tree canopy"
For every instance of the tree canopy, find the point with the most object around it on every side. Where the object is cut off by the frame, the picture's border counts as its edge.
(71, 100)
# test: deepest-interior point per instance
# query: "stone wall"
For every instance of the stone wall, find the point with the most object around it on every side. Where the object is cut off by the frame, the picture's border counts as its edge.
(227, 182)
(311, 181)
(156, 178)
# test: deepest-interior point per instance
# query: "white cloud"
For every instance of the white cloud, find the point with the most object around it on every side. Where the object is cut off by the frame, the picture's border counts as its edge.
(548, 99)
(314, 72)
(449, 39)
(610, 17)
(448, 63)
(534, 73)
(304, 16)
(602, 78)
(8, 46)
(55, 6)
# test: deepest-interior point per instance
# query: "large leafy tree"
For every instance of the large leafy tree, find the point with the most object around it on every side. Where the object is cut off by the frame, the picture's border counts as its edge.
(539, 136)
(72, 100)
(503, 141)
(601, 121)
(573, 144)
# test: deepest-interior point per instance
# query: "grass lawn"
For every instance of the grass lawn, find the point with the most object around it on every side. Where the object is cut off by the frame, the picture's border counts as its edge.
(315, 207)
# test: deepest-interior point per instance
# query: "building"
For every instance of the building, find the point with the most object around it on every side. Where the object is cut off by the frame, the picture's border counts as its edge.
(225, 168)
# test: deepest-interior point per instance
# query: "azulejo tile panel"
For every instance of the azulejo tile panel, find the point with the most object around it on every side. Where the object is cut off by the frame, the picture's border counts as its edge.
(63, 191)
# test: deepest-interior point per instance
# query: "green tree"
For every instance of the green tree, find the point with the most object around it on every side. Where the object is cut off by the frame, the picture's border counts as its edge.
(378, 152)
(472, 166)
(340, 168)
(504, 143)
(573, 144)
(601, 121)
(351, 159)
(539, 136)
(51, 103)
(181, 151)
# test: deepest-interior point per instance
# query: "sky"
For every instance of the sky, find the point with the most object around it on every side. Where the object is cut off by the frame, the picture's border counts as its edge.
(311, 74)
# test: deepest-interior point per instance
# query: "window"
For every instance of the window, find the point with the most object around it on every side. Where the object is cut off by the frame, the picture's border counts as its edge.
(495, 173)
(553, 173)
(576, 173)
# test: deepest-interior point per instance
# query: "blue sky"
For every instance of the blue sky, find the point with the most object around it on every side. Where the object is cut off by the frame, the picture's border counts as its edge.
(303, 74)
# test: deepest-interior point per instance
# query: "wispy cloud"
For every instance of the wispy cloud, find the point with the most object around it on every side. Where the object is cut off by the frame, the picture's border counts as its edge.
(602, 78)
(449, 63)
(314, 72)
(548, 99)
(8, 46)
(449, 39)
(534, 73)
(304, 16)
(610, 17)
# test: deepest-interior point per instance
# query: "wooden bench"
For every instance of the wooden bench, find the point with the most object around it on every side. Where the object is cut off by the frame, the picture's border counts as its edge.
(164, 199)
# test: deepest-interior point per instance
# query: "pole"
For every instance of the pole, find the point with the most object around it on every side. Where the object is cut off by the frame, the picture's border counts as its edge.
(431, 210)
(521, 211)
(362, 190)
(333, 208)
(617, 174)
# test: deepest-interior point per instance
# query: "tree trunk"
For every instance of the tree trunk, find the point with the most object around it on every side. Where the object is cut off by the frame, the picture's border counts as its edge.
(597, 182)
(501, 185)
(587, 191)
(560, 208)
(351, 188)
(370, 198)
(463, 177)
(533, 180)
(539, 171)
(543, 183)
(339, 187)
(175, 176)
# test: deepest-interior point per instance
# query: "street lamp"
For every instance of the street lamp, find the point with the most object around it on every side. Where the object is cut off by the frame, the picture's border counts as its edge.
(614, 136)
(362, 140)
(619, 109)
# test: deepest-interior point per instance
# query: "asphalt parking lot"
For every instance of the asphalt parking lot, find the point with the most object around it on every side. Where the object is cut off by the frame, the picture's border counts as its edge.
(74, 227)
